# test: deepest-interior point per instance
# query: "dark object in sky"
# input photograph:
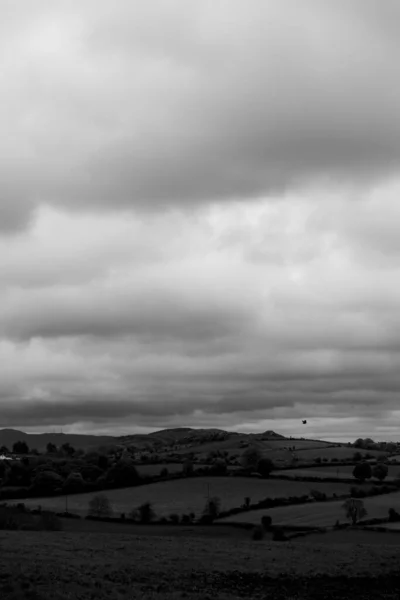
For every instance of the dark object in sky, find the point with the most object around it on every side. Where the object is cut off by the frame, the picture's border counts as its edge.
(304, 422)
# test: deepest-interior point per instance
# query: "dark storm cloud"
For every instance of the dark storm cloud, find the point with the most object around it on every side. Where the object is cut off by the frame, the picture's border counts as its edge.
(150, 108)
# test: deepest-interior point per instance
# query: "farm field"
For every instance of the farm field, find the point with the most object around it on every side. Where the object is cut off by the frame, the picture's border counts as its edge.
(331, 471)
(319, 514)
(341, 452)
(82, 566)
(189, 495)
(151, 470)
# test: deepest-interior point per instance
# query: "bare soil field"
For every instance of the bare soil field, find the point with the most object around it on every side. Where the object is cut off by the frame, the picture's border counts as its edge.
(319, 514)
(61, 566)
(189, 495)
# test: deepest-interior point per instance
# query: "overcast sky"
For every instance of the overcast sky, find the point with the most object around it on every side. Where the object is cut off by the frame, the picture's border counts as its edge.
(199, 216)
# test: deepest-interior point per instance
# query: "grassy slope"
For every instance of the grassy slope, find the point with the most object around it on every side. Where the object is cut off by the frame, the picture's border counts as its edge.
(187, 495)
(319, 514)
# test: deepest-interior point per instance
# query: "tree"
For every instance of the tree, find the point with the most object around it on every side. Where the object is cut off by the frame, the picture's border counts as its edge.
(51, 448)
(251, 457)
(266, 521)
(219, 467)
(187, 468)
(357, 456)
(212, 507)
(20, 448)
(359, 443)
(146, 512)
(362, 471)
(355, 509)
(47, 481)
(74, 483)
(380, 471)
(67, 449)
(265, 466)
(99, 506)
(123, 473)
(4, 450)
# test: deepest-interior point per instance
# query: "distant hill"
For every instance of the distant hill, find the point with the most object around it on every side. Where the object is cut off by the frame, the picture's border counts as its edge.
(181, 436)
(8, 437)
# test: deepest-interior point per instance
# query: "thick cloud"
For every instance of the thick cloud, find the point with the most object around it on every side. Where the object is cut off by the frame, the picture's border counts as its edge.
(144, 107)
(198, 216)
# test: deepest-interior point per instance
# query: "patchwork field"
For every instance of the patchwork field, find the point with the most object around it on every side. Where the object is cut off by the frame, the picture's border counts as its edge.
(189, 495)
(340, 471)
(319, 514)
(341, 453)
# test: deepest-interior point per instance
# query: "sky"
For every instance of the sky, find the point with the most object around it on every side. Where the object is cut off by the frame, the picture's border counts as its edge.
(199, 216)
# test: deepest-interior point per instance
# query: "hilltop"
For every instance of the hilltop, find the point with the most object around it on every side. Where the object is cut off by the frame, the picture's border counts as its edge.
(182, 436)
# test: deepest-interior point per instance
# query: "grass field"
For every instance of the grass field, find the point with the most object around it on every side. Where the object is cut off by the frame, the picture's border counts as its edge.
(344, 471)
(319, 514)
(351, 536)
(189, 495)
(340, 453)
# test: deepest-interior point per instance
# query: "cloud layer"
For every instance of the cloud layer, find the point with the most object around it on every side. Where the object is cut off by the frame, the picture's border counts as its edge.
(198, 215)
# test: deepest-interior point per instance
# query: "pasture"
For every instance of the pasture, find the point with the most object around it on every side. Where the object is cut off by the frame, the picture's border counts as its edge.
(189, 495)
(341, 453)
(340, 471)
(318, 514)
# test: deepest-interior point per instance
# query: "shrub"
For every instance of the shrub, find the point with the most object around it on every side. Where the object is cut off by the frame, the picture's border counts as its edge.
(99, 506)
(186, 519)
(174, 518)
(74, 483)
(318, 459)
(258, 533)
(266, 521)
(164, 472)
(279, 536)
(47, 481)
(206, 519)
(362, 471)
(251, 457)
(247, 501)
(357, 492)
(265, 466)
(393, 515)
(49, 521)
(146, 512)
(380, 471)
(212, 507)
(317, 495)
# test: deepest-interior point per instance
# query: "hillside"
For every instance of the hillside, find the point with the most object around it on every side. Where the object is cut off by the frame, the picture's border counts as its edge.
(8, 437)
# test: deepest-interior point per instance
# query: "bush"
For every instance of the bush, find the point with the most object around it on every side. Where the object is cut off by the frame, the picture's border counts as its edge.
(394, 516)
(174, 518)
(206, 519)
(266, 521)
(49, 521)
(355, 510)
(279, 536)
(380, 471)
(265, 466)
(318, 495)
(362, 471)
(258, 533)
(357, 492)
(99, 506)
(146, 512)
(164, 472)
(212, 507)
